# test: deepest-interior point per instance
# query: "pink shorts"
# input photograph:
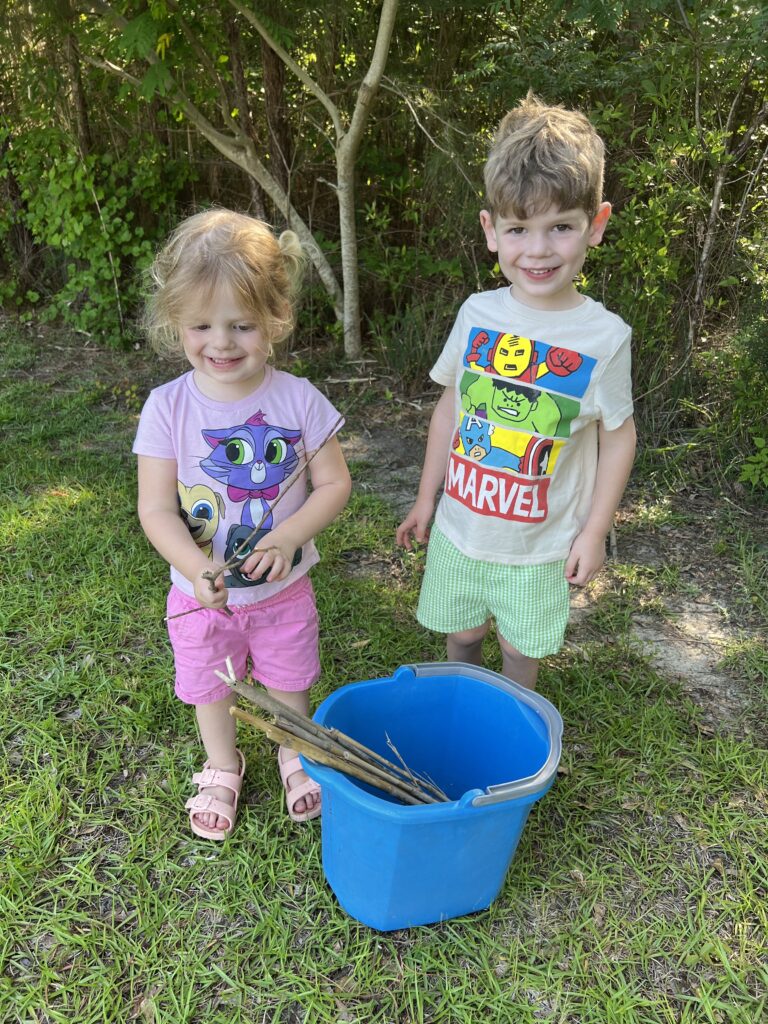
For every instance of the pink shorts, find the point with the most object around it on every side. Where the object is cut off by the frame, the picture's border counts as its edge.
(280, 634)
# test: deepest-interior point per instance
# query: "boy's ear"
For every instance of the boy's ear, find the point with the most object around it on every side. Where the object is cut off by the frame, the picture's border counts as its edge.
(490, 231)
(599, 221)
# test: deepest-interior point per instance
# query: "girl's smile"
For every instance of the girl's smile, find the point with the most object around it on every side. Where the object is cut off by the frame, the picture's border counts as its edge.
(225, 347)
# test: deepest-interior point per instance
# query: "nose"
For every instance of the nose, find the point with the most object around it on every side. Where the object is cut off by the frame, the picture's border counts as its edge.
(221, 338)
(538, 244)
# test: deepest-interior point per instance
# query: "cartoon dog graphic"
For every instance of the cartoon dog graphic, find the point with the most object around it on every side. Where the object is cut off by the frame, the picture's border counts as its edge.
(201, 508)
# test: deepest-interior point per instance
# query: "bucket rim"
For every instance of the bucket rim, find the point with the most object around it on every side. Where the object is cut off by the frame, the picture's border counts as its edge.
(530, 787)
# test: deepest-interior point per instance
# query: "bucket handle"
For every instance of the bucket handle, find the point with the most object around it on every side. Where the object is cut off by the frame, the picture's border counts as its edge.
(532, 784)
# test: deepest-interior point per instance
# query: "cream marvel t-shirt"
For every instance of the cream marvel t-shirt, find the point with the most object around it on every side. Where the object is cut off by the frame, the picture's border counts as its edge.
(531, 387)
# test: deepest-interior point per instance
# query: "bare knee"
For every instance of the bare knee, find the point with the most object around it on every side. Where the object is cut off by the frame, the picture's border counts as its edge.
(467, 645)
(517, 666)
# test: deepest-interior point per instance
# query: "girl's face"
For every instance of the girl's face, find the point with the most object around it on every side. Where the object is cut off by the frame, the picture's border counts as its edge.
(224, 347)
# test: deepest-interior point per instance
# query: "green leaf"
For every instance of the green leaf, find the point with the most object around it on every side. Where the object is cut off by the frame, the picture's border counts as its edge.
(157, 80)
(139, 36)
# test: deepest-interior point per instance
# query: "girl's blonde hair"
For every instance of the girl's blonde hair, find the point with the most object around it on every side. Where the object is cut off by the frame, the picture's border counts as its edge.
(223, 247)
(544, 155)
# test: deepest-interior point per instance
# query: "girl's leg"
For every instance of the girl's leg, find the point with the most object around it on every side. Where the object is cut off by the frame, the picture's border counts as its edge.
(467, 645)
(516, 666)
(217, 731)
(299, 701)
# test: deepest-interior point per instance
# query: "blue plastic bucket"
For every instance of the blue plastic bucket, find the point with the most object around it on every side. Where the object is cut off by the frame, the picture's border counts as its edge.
(491, 745)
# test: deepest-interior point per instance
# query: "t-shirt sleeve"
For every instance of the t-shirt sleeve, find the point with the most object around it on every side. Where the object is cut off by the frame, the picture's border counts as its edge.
(446, 368)
(613, 395)
(320, 416)
(153, 434)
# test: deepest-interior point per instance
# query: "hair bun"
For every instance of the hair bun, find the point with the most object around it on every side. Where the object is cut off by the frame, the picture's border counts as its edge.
(293, 256)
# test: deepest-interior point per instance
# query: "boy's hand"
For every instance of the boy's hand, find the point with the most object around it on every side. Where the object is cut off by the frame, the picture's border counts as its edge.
(274, 555)
(585, 559)
(210, 596)
(416, 524)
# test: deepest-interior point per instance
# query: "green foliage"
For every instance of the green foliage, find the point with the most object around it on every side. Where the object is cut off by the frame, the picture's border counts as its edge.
(755, 468)
(83, 214)
(660, 84)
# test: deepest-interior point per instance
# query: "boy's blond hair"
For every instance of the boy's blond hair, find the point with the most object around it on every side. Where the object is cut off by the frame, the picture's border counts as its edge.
(541, 156)
(223, 247)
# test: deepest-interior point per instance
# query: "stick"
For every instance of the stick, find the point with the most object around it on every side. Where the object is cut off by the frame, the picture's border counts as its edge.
(235, 562)
(303, 728)
(317, 754)
(332, 739)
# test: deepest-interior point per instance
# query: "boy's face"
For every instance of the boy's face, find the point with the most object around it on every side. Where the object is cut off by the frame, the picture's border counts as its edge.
(541, 255)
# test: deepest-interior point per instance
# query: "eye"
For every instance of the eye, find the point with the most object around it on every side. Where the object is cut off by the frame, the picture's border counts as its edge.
(516, 229)
(238, 451)
(244, 328)
(562, 228)
(202, 510)
(200, 327)
(276, 451)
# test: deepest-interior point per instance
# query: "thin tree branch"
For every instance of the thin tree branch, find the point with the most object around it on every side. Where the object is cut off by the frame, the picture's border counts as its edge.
(390, 86)
(370, 84)
(237, 560)
(309, 83)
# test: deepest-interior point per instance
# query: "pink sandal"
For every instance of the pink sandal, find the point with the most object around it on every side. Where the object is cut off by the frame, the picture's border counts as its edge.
(294, 793)
(203, 802)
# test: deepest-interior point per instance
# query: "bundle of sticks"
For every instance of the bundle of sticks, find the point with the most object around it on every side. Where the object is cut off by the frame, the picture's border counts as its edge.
(330, 747)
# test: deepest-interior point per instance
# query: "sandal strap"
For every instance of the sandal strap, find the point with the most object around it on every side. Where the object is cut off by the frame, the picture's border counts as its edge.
(289, 768)
(216, 777)
(204, 802)
(295, 793)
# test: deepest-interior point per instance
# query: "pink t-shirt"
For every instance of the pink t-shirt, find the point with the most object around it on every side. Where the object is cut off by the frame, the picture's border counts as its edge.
(233, 459)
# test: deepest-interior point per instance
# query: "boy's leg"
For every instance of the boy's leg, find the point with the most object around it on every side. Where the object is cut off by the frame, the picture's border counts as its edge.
(467, 645)
(217, 732)
(516, 666)
(299, 701)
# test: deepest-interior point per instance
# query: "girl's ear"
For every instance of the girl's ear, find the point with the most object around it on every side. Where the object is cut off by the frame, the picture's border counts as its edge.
(599, 221)
(486, 221)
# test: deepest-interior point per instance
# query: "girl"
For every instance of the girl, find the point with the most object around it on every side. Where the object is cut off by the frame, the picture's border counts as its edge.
(215, 447)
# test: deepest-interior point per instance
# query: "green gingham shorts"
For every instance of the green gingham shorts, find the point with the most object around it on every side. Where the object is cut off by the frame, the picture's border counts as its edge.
(529, 602)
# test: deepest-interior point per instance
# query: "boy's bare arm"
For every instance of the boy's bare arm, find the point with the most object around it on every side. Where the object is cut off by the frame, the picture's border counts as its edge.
(441, 430)
(616, 454)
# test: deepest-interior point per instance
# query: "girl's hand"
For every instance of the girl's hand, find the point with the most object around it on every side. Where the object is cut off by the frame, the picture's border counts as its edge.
(210, 596)
(274, 555)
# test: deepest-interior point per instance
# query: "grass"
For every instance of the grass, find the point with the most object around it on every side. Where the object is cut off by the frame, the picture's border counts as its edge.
(637, 894)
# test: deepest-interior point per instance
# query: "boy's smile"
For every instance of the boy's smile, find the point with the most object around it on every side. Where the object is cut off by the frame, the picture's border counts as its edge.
(540, 255)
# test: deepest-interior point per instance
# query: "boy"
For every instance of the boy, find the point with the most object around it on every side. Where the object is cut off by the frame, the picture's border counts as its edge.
(533, 437)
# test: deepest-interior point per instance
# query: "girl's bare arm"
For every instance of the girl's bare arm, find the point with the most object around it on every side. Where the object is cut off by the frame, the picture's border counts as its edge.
(166, 531)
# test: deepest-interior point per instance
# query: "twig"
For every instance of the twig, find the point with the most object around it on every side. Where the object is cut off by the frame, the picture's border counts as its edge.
(417, 780)
(236, 561)
(338, 743)
(279, 735)
(348, 752)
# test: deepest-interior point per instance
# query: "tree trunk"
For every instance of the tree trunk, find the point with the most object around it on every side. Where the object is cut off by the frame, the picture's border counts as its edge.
(280, 139)
(244, 118)
(345, 193)
(346, 155)
(77, 94)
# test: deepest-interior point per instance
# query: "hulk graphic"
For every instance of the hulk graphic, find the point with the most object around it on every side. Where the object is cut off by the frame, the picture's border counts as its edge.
(516, 405)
